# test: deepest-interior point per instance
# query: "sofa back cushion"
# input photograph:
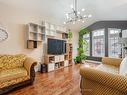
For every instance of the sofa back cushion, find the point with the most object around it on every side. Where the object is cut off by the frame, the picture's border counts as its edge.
(123, 67)
(11, 61)
(111, 61)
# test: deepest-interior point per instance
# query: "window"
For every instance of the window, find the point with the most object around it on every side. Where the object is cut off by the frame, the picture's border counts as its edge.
(87, 39)
(114, 46)
(98, 43)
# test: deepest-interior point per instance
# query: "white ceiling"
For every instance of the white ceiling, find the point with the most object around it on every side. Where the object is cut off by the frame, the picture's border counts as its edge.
(56, 9)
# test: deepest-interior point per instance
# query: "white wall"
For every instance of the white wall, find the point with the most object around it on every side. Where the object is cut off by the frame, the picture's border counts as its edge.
(15, 20)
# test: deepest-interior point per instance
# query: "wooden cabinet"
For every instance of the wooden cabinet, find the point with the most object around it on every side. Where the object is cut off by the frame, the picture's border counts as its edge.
(64, 35)
(69, 52)
(31, 44)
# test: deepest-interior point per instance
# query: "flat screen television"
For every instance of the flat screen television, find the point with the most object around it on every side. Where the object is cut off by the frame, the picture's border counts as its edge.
(56, 47)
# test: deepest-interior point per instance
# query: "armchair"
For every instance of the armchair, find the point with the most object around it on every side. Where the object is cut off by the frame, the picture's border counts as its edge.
(103, 80)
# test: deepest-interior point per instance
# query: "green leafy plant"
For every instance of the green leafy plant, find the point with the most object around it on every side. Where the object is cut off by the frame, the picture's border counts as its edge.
(83, 45)
(69, 35)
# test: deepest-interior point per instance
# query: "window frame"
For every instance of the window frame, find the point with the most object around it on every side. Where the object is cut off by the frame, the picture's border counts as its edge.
(97, 35)
(109, 42)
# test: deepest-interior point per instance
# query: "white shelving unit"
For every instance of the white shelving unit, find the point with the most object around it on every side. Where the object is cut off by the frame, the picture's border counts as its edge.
(55, 62)
(35, 35)
(61, 29)
(52, 29)
(51, 67)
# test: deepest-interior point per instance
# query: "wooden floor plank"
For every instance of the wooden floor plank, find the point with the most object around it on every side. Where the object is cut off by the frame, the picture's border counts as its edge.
(64, 81)
(61, 82)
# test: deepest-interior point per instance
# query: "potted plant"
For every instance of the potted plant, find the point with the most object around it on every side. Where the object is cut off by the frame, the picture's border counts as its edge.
(83, 45)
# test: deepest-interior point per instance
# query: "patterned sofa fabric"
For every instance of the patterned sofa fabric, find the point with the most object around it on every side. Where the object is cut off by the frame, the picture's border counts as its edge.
(103, 80)
(112, 61)
(15, 71)
(11, 61)
(108, 68)
(13, 81)
(11, 74)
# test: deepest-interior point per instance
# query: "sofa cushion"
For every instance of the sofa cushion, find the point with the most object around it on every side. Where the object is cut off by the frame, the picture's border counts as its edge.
(123, 67)
(112, 61)
(14, 81)
(108, 68)
(11, 74)
(11, 61)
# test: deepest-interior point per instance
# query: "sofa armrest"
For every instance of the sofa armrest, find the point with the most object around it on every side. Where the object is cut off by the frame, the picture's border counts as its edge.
(114, 81)
(29, 63)
(111, 61)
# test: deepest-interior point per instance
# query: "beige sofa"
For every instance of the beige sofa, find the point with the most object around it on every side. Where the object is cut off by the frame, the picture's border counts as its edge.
(103, 80)
(15, 71)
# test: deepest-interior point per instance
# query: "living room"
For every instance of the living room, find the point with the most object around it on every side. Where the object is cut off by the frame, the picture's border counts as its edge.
(70, 47)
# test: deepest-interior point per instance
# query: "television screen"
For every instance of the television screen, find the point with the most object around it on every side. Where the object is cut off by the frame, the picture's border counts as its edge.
(56, 46)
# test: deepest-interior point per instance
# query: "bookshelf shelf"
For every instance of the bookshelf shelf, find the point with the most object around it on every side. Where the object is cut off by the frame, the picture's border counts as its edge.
(35, 35)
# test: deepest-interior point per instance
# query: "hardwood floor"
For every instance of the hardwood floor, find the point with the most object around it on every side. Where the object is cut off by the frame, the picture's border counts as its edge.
(61, 82)
(64, 81)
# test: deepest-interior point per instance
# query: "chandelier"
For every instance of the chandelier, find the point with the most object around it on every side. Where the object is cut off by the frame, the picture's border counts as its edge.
(76, 15)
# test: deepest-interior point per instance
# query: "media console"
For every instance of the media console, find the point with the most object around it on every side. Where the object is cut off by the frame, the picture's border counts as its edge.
(55, 62)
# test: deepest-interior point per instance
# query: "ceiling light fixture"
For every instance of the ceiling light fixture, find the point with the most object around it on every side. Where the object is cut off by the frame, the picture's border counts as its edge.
(83, 21)
(83, 9)
(76, 15)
